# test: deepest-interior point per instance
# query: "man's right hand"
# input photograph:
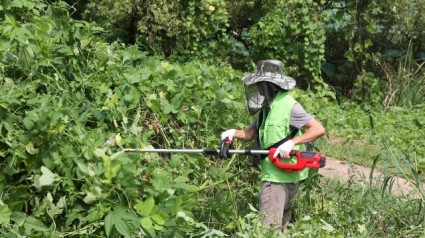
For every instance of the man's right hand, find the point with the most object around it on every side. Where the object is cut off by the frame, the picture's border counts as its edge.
(228, 134)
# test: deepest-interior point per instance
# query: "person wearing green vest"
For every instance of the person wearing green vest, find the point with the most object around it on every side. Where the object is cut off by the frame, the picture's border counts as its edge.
(279, 119)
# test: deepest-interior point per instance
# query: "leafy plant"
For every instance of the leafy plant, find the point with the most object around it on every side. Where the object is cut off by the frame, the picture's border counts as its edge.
(70, 102)
(369, 91)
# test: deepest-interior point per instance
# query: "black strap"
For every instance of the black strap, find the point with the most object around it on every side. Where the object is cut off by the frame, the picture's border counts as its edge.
(256, 158)
(290, 136)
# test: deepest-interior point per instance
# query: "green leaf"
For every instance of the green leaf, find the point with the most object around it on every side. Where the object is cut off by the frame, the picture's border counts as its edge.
(152, 102)
(187, 187)
(93, 195)
(99, 152)
(176, 101)
(122, 228)
(132, 78)
(81, 165)
(47, 178)
(327, 227)
(177, 205)
(5, 214)
(146, 223)
(145, 208)
(167, 107)
(18, 218)
(55, 209)
(32, 223)
(112, 170)
(115, 219)
(85, 42)
(158, 219)
(28, 123)
(145, 73)
(361, 228)
(118, 139)
(90, 198)
(161, 180)
(368, 43)
(108, 223)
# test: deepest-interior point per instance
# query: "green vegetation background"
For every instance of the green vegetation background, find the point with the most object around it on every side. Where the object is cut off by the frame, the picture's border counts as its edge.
(82, 80)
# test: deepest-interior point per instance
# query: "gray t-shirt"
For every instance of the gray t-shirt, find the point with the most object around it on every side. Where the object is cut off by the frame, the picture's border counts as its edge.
(299, 117)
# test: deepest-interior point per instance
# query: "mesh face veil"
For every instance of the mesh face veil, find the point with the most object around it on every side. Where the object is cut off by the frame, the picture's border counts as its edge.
(253, 98)
(261, 87)
(260, 95)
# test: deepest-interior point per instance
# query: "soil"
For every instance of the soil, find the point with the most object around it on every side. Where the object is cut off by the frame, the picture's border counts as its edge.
(347, 171)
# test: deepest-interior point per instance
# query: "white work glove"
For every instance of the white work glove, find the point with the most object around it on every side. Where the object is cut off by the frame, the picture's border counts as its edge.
(284, 149)
(229, 133)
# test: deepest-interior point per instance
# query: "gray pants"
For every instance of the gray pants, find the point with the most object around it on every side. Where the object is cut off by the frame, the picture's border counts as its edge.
(275, 202)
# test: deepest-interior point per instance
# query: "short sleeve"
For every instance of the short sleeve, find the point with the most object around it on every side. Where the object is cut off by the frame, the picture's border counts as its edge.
(299, 117)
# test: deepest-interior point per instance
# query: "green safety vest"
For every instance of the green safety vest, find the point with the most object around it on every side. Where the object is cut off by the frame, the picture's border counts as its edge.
(274, 128)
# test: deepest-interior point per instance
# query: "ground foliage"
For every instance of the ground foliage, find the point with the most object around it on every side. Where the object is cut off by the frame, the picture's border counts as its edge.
(70, 102)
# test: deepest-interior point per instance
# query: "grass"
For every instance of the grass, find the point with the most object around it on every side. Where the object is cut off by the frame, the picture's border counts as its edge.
(355, 151)
(336, 209)
(369, 154)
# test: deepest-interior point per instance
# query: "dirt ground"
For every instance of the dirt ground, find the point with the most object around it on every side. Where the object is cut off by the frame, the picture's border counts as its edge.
(346, 171)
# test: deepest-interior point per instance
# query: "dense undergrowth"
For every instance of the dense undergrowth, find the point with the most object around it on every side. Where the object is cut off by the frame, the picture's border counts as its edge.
(70, 102)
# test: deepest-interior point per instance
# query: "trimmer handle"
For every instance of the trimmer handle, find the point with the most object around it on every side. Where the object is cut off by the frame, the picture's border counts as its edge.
(225, 145)
(305, 159)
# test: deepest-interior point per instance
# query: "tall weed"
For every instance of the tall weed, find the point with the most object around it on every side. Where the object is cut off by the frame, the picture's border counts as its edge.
(405, 169)
(405, 82)
(406, 166)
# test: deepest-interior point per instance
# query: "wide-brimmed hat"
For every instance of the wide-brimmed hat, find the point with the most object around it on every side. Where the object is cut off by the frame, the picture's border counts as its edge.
(270, 71)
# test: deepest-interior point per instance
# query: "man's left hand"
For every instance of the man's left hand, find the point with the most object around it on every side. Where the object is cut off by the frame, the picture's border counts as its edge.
(284, 149)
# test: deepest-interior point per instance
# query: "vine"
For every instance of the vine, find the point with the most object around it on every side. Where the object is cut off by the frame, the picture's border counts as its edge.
(292, 31)
(205, 29)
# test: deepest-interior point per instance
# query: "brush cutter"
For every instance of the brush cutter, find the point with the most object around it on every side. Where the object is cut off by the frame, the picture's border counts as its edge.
(305, 159)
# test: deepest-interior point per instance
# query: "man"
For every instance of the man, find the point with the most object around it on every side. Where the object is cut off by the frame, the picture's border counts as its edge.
(278, 120)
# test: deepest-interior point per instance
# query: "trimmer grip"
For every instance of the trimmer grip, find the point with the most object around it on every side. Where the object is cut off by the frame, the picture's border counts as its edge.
(305, 159)
(225, 145)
